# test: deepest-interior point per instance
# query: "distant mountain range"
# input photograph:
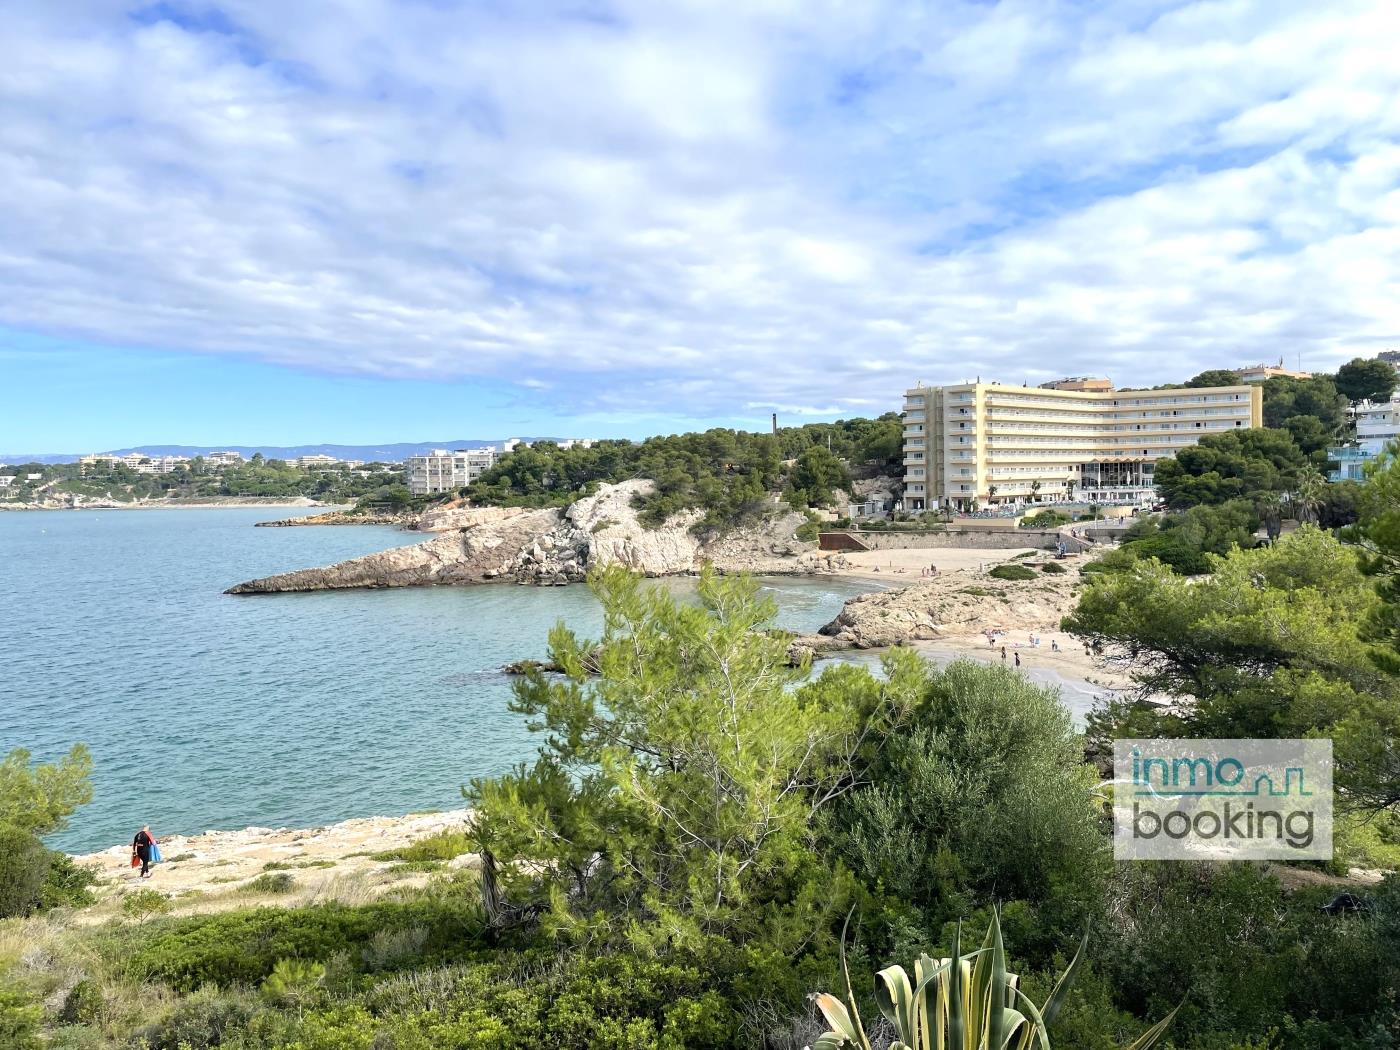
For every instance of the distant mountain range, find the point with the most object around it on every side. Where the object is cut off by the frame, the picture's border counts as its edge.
(390, 453)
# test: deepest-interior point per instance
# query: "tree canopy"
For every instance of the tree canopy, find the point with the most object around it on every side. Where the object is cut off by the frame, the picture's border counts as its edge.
(1366, 379)
(1228, 466)
(1214, 377)
(681, 780)
(1286, 397)
(40, 798)
(1270, 644)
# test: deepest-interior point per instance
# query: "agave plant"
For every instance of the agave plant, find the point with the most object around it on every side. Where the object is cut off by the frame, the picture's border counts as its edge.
(966, 1002)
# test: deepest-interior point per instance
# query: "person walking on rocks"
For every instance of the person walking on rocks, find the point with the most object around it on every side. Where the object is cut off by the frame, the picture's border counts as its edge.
(143, 847)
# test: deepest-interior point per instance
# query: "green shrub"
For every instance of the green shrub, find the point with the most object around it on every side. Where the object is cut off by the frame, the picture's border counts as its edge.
(1054, 568)
(444, 845)
(203, 1020)
(243, 946)
(144, 903)
(19, 1020)
(294, 982)
(1012, 572)
(270, 882)
(808, 531)
(67, 885)
(1045, 519)
(24, 868)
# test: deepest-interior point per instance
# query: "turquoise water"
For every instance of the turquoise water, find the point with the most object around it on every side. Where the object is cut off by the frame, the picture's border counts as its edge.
(210, 711)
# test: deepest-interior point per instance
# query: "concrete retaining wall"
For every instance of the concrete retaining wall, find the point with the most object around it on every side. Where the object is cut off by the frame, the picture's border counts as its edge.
(1043, 539)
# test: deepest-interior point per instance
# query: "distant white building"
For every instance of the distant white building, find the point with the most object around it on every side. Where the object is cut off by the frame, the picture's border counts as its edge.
(320, 462)
(220, 460)
(7, 480)
(442, 470)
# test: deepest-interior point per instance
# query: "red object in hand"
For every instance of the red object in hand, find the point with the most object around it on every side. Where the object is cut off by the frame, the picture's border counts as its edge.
(135, 861)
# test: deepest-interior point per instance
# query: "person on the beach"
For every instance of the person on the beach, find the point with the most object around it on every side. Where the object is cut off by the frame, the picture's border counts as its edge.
(141, 847)
(1003, 653)
(1018, 659)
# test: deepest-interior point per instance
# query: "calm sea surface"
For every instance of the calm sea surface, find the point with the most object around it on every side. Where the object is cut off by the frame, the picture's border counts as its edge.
(209, 711)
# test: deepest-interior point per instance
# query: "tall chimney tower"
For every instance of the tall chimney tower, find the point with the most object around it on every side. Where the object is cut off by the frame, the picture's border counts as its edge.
(775, 423)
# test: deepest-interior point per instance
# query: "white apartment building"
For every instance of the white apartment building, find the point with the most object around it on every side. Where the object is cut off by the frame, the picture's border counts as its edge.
(137, 461)
(1377, 425)
(219, 460)
(317, 461)
(978, 445)
(445, 471)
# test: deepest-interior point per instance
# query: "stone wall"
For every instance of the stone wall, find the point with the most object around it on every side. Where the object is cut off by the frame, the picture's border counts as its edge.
(1043, 539)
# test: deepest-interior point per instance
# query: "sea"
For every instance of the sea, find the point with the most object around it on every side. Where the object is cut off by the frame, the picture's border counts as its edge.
(209, 711)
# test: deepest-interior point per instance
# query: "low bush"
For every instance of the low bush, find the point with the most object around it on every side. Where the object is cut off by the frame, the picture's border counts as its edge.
(244, 946)
(1054, 568)
(24, 868)
(67, 885)
(444, 845)
(144, 903)
(271, 882)
(205, 1019)
(1044, 519)
(1012, 572)
(19, 1020)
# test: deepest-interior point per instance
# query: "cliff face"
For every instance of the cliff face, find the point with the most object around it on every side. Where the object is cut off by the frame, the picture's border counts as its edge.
(446, 519)
(494, 544)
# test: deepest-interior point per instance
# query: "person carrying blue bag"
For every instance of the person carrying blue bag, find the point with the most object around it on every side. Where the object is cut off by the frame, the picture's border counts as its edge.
(145, 850)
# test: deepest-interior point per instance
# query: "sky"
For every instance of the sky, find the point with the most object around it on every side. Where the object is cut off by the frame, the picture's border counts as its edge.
(252, 221)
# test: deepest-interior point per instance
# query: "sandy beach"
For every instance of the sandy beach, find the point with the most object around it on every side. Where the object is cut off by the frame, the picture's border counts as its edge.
(895, 568)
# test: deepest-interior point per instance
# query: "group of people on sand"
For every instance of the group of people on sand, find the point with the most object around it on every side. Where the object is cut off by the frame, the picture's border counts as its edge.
(1032, 639)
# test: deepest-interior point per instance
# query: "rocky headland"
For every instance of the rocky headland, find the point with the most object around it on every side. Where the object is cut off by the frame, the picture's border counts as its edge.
(959, 606)
(555, 546)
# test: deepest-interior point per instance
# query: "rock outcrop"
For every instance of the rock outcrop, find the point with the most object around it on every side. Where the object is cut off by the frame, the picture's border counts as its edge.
(475, 555)
(494, 544)
(341, 517)
(446, 519)
(958, 603)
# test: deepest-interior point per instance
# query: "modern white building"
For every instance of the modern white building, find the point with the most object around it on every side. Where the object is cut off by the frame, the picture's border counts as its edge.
(979, 445)
(1377, 425)
(442, 470)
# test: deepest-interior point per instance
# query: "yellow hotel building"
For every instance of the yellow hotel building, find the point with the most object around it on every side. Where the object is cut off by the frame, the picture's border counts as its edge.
(979, 445)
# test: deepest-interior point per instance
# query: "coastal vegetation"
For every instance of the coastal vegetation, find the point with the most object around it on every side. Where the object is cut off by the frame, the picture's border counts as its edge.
(728, 475)
(198, 480)
(677, 866)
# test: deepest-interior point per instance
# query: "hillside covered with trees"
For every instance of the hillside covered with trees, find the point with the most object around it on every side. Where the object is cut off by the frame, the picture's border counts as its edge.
(728, 474)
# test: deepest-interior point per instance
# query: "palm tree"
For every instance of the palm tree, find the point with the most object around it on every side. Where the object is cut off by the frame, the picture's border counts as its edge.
(1309, 496)
(1270, 508)
(1035, 490)
(991, 491)
(1069, 489)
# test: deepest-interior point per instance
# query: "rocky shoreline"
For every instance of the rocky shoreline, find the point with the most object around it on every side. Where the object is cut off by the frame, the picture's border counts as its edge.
(554, 547)
(312, 859)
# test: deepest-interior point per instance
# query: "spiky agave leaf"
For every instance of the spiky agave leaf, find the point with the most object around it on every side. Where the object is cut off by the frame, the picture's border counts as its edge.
(1051, 1009)
(895, 997)
(1150, 1037)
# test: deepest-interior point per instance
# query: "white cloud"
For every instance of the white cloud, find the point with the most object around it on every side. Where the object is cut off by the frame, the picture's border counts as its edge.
(682, 208)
